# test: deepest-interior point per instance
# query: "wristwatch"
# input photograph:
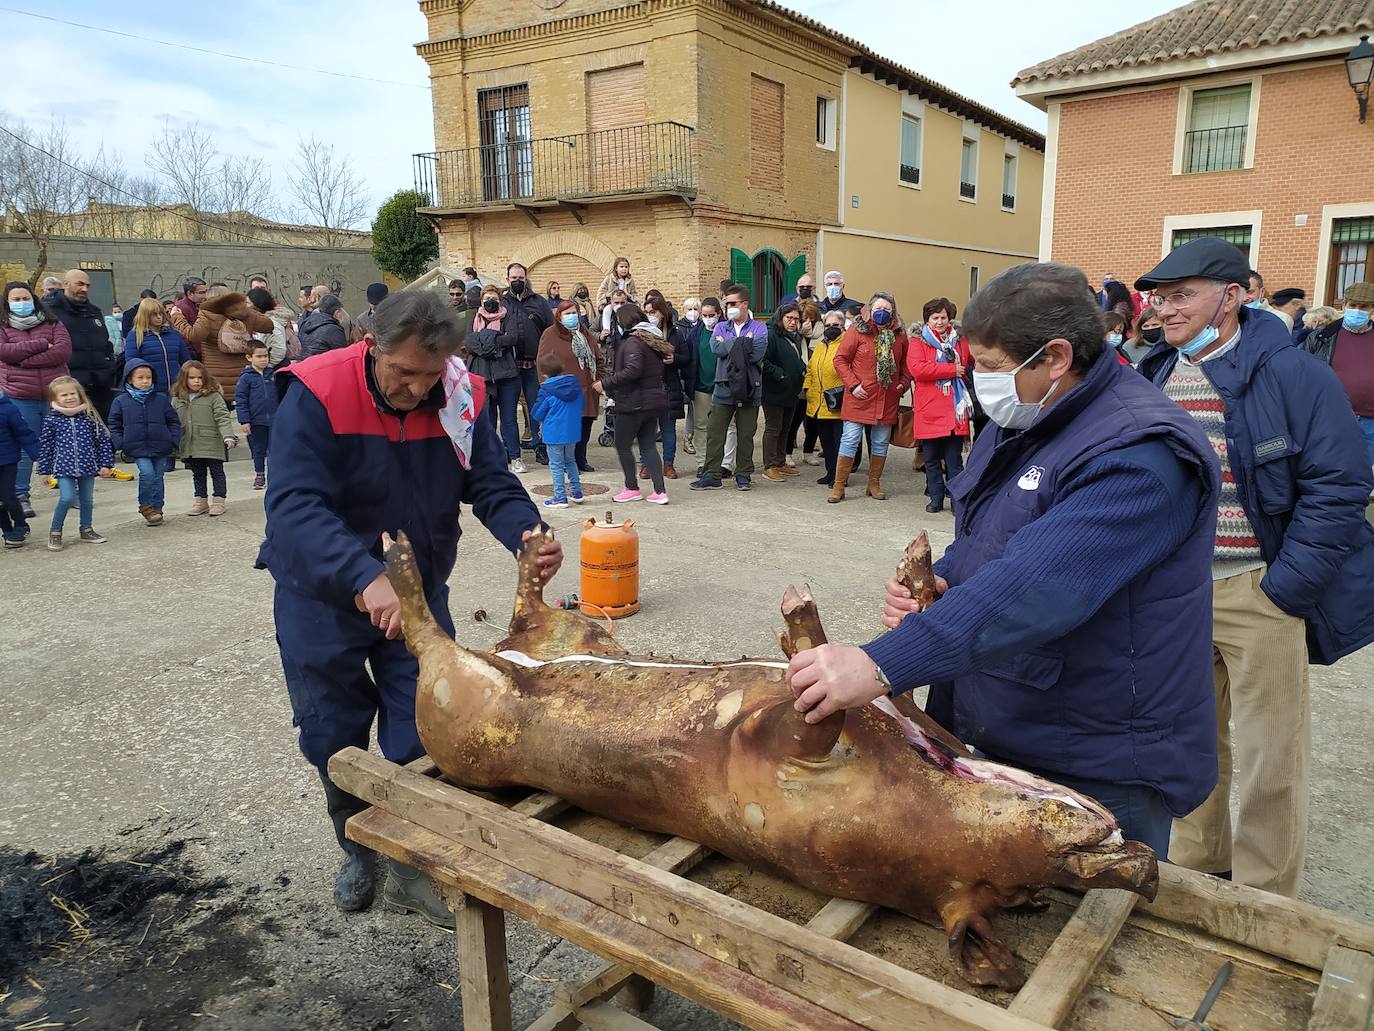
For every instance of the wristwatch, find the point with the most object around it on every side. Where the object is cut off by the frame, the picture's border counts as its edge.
(881, 677)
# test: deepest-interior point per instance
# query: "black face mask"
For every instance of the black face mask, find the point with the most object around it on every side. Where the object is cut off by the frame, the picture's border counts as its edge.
(1151, 336)
(832, 332)
(582, 295)
(804, 291)
(491, 304)
(517, 286)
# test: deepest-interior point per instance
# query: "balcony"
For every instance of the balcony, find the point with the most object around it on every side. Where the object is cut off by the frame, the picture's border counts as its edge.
(969, 190)
(568, 171)
(1214, 150)
(910, 174)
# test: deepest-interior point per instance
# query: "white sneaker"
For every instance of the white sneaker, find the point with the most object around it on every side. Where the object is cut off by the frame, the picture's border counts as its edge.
(787, 461)
(811, 459)
(517, 466)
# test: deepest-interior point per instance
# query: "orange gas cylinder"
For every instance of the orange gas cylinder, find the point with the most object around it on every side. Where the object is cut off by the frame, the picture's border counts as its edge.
(610, 568)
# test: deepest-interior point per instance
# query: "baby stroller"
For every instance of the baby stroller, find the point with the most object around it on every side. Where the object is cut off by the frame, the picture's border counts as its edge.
(607, 435)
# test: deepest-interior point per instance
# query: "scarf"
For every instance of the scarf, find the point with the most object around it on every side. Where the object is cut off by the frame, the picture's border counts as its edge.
(141, 396)
(482, 319)
(25, 322)
(882, 348)
(653, 336)
(582, 351)
(963, 404)
(74, 410)
(459, 413)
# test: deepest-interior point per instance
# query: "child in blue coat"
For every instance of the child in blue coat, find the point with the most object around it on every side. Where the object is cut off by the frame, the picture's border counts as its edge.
(144, 426)
(558, 410)
(15, 437)
(75, 447)
(255, 404)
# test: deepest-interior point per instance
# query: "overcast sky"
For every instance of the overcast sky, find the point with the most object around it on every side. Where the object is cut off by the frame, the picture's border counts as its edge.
(117, 89)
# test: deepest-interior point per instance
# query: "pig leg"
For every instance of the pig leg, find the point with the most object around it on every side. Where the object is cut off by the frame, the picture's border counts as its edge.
(914, 571)
(975, 950)
(804, 628)
(541, 631)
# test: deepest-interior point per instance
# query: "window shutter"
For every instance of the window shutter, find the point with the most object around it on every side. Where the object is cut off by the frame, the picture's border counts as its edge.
(796, 268)
(741, 268)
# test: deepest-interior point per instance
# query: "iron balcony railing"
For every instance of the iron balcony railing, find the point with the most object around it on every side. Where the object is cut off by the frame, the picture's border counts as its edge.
(637, 159)
(910, 174)
(1214, 150)
(969, 190)
(1008, 200)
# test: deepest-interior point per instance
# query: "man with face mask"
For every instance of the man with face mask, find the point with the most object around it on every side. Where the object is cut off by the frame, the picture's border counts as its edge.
(1293, 568)
(527, 316)
(835, 300)
(1074, 621)
(361, 454)
(806, 290)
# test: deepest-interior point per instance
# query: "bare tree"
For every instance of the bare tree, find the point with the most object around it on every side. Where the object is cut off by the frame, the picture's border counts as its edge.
(107, 201)
(42, 182)
(244, 194)
(186, 160)
(330, 194)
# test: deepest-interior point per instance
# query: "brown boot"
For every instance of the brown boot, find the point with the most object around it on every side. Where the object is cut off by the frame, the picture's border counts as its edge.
(842, 466)
(146, 511)
(217, 506)
(875, 473)
(670, 472)
(199, 507)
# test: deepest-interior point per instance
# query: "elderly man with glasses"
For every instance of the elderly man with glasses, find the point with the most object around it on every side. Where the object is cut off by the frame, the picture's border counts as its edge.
(1293, 568)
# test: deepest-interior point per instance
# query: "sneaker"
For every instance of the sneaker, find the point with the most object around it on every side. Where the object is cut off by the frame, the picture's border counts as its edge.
(259, 482)
(628, 495)
(789, 469)
(555, 503)
(517, 466)
(156, 518)
(774, 474)
(29, 513)
(658, 499)
(743, 483)
(576, 499)
(706, 483)
(690, 446)
(787, 461)
(91, 537)
(15, 542)
(120, 474)
(54, 540)
(527, 445)
(726, 473)
(52, 485)
(811, 459)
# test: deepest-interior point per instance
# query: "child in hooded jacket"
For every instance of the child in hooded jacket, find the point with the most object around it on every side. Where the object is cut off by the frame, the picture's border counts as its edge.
(558, 410)
(15, 439)
(255, 405)
(145, 428)
(206, 430)
(75, 447)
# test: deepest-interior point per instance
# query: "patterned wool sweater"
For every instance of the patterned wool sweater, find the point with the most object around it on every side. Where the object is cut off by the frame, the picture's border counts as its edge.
(1237, 548)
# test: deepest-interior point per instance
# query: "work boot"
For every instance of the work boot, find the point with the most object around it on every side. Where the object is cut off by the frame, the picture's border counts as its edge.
(842, 466)
(875, 473)
(408, 890)
(357, 879)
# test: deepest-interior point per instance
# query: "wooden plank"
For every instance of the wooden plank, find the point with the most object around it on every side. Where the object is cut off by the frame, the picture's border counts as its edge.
(859, 987)
(1283, 927)
(726, 989)
(1346, 993)
(541, 806)
(840, 918)
(483, 971)
(1060, 977)
(604, 1016)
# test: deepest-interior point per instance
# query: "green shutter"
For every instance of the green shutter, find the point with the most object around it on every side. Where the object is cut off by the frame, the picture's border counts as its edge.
(741, 268)
(796, 268)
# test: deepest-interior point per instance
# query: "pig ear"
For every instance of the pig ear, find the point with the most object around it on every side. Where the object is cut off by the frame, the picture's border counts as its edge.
(778, 731)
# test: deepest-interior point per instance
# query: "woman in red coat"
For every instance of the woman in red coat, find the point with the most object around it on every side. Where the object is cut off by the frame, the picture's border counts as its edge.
(871, 361)
(937, 359)
(34, 351)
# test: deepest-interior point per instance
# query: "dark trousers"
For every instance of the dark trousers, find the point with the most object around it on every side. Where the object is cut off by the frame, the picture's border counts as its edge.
(828, 433)
(640, 428)
(777, 422)
(529, 386)
(258, 440)
(944, 461)
(503, 398)
(799, 419)
(326, 654)
(580, 452)
(199, 467)
(12, 522)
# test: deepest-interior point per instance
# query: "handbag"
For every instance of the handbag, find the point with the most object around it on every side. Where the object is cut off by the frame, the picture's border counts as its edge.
(234, 338)
(834, 397)
(904, 433)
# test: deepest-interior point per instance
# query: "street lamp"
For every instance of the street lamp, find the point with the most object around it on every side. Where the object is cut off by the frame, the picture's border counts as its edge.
(1359, 68)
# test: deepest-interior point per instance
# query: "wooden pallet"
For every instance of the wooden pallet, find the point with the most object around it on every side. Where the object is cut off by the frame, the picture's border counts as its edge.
(771, 955)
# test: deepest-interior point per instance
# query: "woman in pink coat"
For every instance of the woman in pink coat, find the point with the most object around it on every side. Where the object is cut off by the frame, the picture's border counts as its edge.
(34, 351)
(871, 362)
(937, 359)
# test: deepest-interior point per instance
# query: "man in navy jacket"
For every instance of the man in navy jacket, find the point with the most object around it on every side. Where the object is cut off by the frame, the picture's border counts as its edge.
(1293, 569)
(359, 452)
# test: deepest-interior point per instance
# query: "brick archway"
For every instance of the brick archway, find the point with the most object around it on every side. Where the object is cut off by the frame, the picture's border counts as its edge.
(575, 242)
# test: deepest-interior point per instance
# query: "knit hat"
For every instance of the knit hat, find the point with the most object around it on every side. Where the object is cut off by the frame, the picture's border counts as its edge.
(376, 293)
(1359, 293)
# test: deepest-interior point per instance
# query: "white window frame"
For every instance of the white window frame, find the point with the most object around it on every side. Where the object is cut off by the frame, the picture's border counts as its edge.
(831, 120)
(912, 108)
(1208, 219)
(1012, 150)
(1331, 212)
(1185, 111)
(975, 279)
(974, 135)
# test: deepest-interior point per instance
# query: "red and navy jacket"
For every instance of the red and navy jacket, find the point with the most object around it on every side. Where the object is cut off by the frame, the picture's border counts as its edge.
(346, 467)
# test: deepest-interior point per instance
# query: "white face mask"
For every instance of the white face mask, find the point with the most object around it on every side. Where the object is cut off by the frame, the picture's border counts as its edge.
(732, 314)
(710, 321)
(692, 316)
(654, 318)
(997, 393)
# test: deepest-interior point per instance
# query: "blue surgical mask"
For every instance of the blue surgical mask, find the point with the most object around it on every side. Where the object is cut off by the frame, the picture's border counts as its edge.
(881, 317)
(22, 308)
(1355, 319)
(1208, 336)
(997, 394)
(833, 291)
(709, 321)
(1113, 339)
(570, 319)
(1257, 305)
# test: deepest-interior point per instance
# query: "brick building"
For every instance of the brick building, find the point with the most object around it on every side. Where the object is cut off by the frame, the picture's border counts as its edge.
(1234, 119)
(707, 139)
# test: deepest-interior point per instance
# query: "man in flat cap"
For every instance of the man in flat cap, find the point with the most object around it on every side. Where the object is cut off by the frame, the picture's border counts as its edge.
(1293, 568)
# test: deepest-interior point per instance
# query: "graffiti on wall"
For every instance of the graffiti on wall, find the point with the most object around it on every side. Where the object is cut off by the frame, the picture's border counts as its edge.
(283, 282)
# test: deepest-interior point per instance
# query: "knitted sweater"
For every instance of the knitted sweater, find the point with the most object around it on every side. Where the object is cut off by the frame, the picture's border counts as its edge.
(1237, 547)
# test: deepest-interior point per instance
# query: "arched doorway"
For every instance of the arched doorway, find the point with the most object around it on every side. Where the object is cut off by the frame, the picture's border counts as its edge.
(566, 269)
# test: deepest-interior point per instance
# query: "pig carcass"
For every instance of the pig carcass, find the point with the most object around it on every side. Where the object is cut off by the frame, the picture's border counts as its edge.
(877, 804)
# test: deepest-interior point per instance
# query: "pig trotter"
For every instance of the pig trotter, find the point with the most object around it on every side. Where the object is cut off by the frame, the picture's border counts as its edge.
(541, 631)
(914, 571)
(980, 957)
(804, 628)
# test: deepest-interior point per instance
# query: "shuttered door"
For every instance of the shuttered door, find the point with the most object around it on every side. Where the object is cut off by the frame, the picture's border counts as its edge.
(765, 134)
(615, 117)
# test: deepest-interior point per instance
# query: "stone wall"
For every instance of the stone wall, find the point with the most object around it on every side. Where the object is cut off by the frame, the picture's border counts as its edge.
(163, 264)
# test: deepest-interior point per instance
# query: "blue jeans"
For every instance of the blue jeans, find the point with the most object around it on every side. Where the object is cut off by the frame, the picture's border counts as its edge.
(502, 400)
(529, 385)
(75, 490)
(150, 482)
(1367, 428)
(667, 429)
(259, 437)
(563, 462)
(853, 435)
(32, 413)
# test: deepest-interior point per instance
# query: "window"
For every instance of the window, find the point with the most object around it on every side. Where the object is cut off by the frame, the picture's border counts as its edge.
(1217, 125)
(909, 169)
(506, 154)
(765, 134)
(1009, 182)
(973, 273)
(767, 275)
(1352, 247)
(968, 169)
(825, 122)
(1238, 235)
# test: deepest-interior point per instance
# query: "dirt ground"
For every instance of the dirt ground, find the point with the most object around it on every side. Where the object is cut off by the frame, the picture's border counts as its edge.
(165, 858)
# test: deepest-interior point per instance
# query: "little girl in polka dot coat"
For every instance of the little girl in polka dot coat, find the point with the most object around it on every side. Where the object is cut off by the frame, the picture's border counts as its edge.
(75, 447)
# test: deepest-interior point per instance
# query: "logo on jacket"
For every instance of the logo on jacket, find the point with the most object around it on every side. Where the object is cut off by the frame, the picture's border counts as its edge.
(1030, 479)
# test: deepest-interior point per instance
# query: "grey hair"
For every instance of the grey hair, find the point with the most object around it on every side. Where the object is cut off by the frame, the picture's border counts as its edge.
(190, 283)
(837, 274)
(51, 282)
(1025, 307)
(883, 295)
(420, 315)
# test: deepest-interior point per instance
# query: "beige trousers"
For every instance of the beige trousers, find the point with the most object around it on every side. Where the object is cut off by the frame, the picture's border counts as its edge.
(1259, 670)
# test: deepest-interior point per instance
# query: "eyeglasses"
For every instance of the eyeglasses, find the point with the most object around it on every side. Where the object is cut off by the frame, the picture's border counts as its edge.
(1175, 299)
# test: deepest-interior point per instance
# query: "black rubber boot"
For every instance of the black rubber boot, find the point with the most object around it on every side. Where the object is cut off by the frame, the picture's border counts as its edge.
(408, 890)
(356, 884)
